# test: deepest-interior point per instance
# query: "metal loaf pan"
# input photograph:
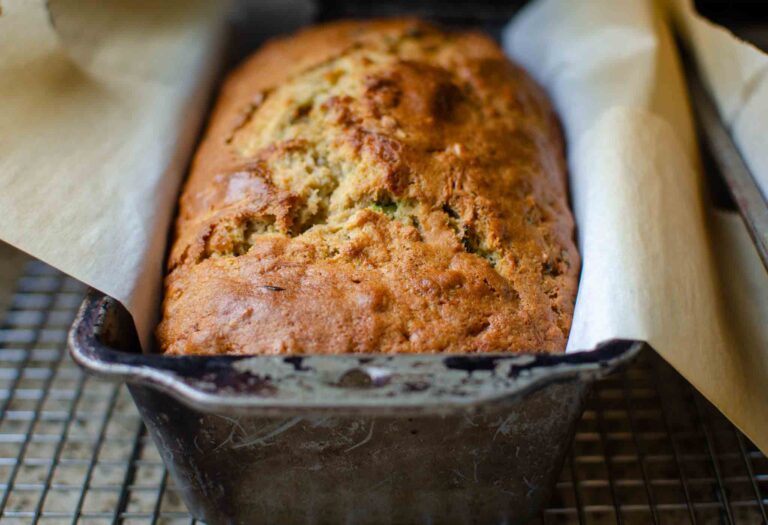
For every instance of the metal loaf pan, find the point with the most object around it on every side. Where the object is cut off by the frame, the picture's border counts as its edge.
(352, 438)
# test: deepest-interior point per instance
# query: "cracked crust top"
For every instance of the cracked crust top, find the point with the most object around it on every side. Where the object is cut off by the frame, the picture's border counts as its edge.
(378, 186)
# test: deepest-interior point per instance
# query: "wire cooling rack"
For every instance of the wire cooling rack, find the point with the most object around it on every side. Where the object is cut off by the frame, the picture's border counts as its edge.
(73, 449)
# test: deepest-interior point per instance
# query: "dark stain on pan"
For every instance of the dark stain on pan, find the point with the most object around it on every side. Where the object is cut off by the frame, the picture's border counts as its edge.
(471, 363)
(238, 382)
(298, 363)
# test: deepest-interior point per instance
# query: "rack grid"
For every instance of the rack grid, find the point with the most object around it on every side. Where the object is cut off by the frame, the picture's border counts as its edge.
(73, 449)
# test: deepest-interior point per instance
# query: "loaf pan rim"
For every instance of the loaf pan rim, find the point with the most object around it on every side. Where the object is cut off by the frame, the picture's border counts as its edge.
(197, 381)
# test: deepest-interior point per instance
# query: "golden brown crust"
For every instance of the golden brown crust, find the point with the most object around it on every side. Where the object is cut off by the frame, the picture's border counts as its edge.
(379, 186)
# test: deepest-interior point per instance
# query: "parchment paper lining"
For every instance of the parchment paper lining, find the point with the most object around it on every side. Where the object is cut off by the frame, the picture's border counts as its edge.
(657, 265)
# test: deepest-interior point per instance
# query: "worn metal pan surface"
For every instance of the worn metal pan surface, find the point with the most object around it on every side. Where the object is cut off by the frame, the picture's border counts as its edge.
(353, 438)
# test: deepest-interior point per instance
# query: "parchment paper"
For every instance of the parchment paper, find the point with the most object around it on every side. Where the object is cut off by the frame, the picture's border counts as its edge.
(97, 119)
(736, 73)
(657, 265)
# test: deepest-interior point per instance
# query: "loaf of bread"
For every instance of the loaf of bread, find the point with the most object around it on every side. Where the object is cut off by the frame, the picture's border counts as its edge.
(379, 186)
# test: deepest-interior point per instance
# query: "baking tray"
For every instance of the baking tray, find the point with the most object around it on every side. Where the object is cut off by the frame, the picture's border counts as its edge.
(355, 438)
(722, 157)
(365, 438)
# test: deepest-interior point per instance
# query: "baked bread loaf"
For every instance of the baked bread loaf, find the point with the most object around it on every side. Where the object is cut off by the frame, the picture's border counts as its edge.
(378, 186)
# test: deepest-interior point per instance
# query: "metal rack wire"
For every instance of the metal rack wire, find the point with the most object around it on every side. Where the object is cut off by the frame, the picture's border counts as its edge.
(648, 448)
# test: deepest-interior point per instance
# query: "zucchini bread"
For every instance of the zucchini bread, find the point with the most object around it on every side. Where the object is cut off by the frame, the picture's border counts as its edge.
(377, 186)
